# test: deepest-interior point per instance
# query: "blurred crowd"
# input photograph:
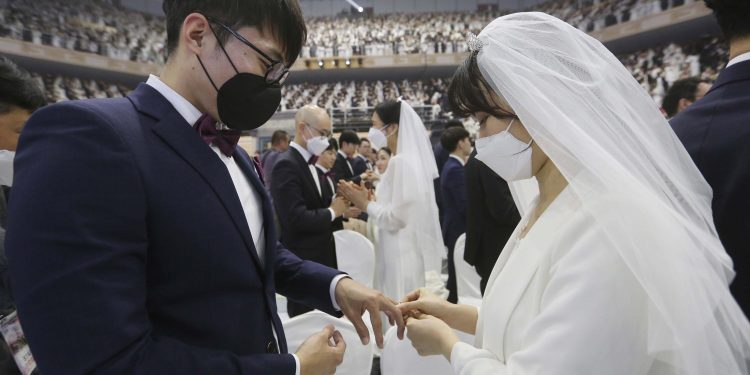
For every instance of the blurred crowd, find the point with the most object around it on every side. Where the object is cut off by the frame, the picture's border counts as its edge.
(103, 27)
(92, 26)
(656, 69)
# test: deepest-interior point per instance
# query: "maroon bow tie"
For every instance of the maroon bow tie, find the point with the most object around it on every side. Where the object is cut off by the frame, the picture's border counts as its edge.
(225, 140)
(313, 159)
(330, 175)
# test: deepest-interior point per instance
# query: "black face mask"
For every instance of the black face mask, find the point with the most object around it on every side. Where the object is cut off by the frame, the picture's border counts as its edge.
(245, 101)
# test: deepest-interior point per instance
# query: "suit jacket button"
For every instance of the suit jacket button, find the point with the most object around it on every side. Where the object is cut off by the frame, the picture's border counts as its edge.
(271, 348)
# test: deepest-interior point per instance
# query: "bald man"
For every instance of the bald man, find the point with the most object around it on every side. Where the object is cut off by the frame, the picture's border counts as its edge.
(307, 222)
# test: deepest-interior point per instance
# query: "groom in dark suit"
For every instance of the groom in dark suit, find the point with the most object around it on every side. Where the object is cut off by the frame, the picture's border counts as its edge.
(453, 188)
(716, 132)
(307, 221)
(141, 235)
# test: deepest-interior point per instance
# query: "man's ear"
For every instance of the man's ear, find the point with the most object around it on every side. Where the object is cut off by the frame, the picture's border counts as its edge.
(195, 29)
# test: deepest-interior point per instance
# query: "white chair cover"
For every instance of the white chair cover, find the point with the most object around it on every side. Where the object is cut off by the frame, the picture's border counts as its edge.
(400, 358)
(467, 279)
(358, 357)
(355, 255)
(281, 307)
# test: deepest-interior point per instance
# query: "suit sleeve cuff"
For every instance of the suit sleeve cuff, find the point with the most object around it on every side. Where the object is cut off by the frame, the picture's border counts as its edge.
(333, 214)
(297, 369)
(332, 290)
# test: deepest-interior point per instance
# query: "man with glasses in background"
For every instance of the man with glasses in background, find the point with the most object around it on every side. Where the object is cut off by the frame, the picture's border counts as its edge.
(307, 220)
(142, 236)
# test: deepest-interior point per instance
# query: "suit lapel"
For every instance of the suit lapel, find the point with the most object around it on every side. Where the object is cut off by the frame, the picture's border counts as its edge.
(305, 170)
(248, 169)
(347, 170)
(180, 136)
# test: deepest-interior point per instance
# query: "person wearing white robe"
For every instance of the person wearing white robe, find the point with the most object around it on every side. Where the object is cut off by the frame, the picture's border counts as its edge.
(410, 249)
(616, 267)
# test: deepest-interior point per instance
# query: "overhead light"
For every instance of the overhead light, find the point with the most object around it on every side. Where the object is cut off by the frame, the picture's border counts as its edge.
(356, 6)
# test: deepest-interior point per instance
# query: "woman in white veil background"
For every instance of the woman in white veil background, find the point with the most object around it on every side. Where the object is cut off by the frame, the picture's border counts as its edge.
(404, 211)
(616, 268)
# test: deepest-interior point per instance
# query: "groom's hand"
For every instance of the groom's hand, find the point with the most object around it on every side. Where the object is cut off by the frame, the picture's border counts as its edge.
(318, 355)
(354, 299)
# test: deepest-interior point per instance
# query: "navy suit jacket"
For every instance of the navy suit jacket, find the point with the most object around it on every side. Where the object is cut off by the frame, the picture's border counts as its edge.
(359, 165)
(716, 132)
(306, 225)
(342, 172)
(130, 253)
(491, 219)
(453, 187)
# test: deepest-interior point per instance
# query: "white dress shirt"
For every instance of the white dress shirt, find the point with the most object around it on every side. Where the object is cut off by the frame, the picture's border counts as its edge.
(738, 59)
(249, 198)
(330, 181)
(307, 155)
(347, 161)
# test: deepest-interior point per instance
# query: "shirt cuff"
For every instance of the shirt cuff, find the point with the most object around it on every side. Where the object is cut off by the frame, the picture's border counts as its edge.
(332, 290)
(333, 213)
(296, 365)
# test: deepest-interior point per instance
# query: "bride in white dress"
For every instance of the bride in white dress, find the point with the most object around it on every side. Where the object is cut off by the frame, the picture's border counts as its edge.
(616, 267)
(409, 247)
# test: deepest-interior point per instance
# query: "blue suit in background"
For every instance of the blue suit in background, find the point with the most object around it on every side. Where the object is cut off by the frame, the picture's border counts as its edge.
(453, 187)
(716, 132)
(130, 253)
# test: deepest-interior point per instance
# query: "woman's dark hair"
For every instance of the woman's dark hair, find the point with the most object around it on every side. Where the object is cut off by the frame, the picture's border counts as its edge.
(470, 93)
(389, 111)
(18, 88)
(283, 18)
(387, 150)
(733, 17)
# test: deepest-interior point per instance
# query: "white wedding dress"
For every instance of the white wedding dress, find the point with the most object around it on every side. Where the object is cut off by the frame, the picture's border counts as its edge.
(623, 274)
(409, 246)
(559, 301)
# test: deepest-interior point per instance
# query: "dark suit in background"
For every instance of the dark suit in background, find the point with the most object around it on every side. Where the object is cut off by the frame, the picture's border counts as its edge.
(129, 251)
(360, 165)
(328, 187)
(716, 132)
(7, 363)
(441, 156)
(492, 216)
(344, 170)
(306, 225)
(453, 186)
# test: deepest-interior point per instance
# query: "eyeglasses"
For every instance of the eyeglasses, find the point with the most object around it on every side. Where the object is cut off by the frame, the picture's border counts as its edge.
(276, 71)
(322, 133)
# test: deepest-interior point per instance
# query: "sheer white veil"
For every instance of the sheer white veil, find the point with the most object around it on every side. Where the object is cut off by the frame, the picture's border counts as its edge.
(414, 147)
(623, 161)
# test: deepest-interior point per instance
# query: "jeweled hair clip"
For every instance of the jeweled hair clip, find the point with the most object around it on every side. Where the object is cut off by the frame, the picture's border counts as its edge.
(475, 44)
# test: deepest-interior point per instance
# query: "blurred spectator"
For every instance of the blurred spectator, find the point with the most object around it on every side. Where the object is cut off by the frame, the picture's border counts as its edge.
(684, 93)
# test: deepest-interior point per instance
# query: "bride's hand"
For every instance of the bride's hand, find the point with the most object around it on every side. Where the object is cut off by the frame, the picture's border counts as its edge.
(431, 336)
(422, 301)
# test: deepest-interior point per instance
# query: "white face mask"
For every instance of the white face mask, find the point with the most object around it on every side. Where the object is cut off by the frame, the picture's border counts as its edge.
(6, 167)
(316, 145)
(378, 138)
(508, 157)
